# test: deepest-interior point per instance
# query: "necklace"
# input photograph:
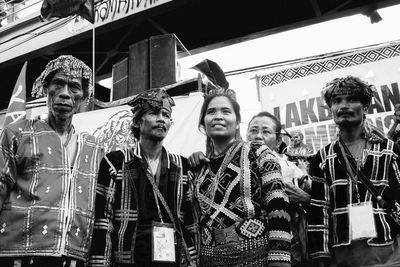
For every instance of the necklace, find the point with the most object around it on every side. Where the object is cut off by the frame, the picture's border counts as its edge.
(153, 163)
(222, 154)
(208, 194)
(357, 151)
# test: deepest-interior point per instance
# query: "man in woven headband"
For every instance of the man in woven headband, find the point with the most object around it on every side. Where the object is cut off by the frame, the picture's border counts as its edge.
(351, 86)
(48, 174)
(157, 184)
(348, 225)
(152, 101)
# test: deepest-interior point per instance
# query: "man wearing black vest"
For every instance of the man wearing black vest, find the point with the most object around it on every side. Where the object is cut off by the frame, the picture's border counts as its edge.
(141, 194)
(355, 182)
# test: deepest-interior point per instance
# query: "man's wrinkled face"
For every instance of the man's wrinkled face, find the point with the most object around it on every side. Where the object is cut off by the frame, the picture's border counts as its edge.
(347, 110)
(64, 95)
(155, 124)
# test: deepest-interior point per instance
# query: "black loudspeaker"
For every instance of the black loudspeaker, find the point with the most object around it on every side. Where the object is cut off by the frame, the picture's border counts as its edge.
(138, 80)
(152, 63)
(120, 79)
(163, 68)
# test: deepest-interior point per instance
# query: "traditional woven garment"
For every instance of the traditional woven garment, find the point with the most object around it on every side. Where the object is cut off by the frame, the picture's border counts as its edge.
(294, 175)
(243, 209)
(125, 205)
(396, 137)
(331, 191)
(50, 208)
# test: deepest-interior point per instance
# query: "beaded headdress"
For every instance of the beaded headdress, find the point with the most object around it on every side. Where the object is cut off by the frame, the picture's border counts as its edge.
(349, 85)
(71, 66)
(151, 99)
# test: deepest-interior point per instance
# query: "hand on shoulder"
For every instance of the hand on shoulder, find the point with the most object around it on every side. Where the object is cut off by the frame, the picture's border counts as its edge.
(197, 159)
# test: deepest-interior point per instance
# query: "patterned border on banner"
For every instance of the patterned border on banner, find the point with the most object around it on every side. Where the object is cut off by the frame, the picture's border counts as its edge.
(330, 65)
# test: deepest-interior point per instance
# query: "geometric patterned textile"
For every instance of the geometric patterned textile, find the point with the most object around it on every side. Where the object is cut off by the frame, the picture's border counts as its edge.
(252, 228)
(349, 60)
(234, 199)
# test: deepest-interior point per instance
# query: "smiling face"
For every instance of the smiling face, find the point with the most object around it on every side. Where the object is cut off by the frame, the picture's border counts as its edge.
(64, 96)
(154, 124)
(347, 110)
(220, 121)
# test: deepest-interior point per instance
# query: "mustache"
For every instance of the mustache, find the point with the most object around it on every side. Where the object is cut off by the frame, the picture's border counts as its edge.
(63, 104)
(160, 125)
(344, 112)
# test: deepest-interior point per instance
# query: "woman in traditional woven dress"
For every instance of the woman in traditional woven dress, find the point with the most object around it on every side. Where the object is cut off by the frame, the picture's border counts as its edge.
(239, 195)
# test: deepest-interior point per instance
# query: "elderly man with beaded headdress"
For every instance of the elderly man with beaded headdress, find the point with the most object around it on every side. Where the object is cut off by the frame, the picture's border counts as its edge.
(349, 222)
(142, 194)
(48, 175)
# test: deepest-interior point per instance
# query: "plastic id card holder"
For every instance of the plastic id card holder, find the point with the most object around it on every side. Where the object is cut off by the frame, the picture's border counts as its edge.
(362, 222)
(163, 242)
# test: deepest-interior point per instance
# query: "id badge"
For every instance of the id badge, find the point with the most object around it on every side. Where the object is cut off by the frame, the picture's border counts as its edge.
(362, 222)
(163, 242)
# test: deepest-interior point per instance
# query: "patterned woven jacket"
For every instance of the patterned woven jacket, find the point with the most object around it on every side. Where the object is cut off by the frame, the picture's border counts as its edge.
(117, 213)
(331, 194)
(50, 207)
(246, 195)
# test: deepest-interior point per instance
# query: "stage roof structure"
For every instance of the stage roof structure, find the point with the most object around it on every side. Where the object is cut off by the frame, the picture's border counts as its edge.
(199, 25)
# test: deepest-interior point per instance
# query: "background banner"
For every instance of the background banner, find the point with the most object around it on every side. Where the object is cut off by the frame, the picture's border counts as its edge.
(293, 94)
(112, 125)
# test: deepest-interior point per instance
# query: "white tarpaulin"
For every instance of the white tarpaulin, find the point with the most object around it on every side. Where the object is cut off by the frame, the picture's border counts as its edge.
(294, 94)
(112, 125)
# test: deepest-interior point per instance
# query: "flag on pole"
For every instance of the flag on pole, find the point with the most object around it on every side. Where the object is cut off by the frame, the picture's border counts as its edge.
(213, 72)
(16, 108)
(65, 8)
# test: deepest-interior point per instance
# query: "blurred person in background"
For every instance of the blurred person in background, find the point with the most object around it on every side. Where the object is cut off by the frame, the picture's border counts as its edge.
(298, 151)
(394, 131)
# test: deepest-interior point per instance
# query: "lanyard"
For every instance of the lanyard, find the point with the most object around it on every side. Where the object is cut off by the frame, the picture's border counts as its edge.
(353, 169)
(352, 174)
(157, 194)
(160, 196)
(155, 178)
